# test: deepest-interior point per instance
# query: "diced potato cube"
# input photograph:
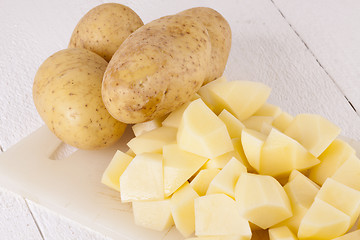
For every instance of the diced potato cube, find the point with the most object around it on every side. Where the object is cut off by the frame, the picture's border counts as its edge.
(201, 132)
(179, 166)
(282, 121)
(262, 200)
(240, 154)
(281, 233)
(220, 161)
(202, 180)
(349, 236)
(323, 221)
(241, 98)
(342, 197)
(143, 179)
(252, 142)
(182, 209)
(154, 215)
(301, 192)
(281, 154)
(174, 118)
(207, 96)
(233, 125)
(115, 169)
(153, 141)
(349, 173)
(330, 160)
(217, 214)
(227, 178)
(269, 110)
(257, 122)
(313, 131)
(144, 127)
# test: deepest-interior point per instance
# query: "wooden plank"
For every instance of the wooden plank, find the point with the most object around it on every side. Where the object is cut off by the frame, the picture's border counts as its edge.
(329, 28)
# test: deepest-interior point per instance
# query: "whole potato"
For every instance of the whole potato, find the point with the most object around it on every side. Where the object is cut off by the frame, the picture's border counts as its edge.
(104, 28)
(220, 37)
(67, 95)
(157, 68)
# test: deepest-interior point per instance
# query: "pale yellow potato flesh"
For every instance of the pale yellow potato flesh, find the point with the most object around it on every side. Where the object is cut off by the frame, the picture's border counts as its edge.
(67, 95)
(225, 181)
(313, 131)
(179, 166)
(233, 125)
(330, 160)
(257, 122)
(281, 154)
(155, 215)
(252, 142)
(281, 233)
(269, 110)
(141, 128)
(323, 221)
(115, 169)
(208, 138)
(282, 121)
(202, 180)
(350, 236)
(262, 200)
(349, 173)
(143, 179)
(207, 96)
(241, 98)
(153, 141)
(222, 219)
(220, 37)
(104, 28)
(182, 209)
(342, 197)
(144, 79)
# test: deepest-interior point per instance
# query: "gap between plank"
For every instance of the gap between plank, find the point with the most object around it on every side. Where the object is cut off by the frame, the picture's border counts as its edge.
(312, 53)
(36, 223)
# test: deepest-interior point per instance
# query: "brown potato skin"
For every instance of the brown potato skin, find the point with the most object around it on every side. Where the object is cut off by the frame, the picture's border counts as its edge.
(157, 68)
(67, 95)
(220, 37)
(104, 28)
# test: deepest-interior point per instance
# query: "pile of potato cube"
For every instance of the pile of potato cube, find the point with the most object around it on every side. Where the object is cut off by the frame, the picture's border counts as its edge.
(230, 166)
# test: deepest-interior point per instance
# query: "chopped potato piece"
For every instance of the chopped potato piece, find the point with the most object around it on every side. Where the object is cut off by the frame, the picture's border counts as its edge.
(349, 236)
(202, 180)
(323, 221)
(226, 180)
(262, 200)
(182, 209)
(144, 127)
(252, 142)
(330, 160)
(153, 141)
(258, 122)
(207, 96)
(312, 131)
(281, 233)
(154, 215)
(269, 110)
(143, 179)
(349, 173)
(201, 132)
(217, 214)
(342, 197)
(179, 166)
(282, 121)
(281, 154)
(115, 169)
(233, 125)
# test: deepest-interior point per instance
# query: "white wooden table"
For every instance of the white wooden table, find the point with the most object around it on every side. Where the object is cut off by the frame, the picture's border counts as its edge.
(308, 51)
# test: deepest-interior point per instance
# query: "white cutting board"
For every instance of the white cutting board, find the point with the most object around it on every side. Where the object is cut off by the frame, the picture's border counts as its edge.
(71, 186)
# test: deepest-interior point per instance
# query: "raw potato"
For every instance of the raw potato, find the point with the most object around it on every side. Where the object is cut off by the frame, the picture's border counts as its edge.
(220, 37)
(67, 95)
(104, 28)
(157, 69)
